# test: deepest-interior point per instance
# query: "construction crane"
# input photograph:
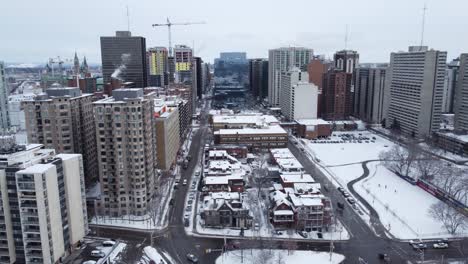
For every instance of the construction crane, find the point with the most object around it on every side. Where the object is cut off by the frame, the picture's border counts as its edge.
(58, 61)
(169, 24)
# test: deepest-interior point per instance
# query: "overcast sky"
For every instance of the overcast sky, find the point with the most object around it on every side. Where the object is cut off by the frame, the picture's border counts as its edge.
(33, 31)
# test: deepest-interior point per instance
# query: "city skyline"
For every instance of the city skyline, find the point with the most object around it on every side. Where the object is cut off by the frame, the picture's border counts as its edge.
(393, 28)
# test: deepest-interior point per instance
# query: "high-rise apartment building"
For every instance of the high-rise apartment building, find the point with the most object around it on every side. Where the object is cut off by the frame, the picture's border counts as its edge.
(298, 97)
(318, 69)
(167, 137)
(63, 120)
(124, 58)
(461, 96)
(337, 96)
(4, 117)
(346, 60)
(282, 60)
(183, 63)
(369, 91)
(198, 76)
(158, 67)
(450, 85)
(43, 203)
(258, 77)
(415, 83)
(126, 144)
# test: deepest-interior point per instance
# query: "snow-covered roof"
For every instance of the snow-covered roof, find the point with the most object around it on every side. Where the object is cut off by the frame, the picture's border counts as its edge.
(289, 164)
(305, 200)
(301, 188)
(248, 131)
(283, 212)
(296, 178)
(282, 153)
(215, 200)
(254, 119)
(312, 122)
(221, 179)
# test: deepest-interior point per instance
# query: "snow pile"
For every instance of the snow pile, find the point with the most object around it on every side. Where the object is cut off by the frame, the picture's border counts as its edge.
(113, 255)
(153, 255)
(254, 256)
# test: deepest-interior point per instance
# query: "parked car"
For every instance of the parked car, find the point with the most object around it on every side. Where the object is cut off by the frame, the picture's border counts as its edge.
(89, 262)
(340, 205)
(351, 200)
(108, 243)
(384, 257)
(97, 254)
(440, 245)
(346, 194)
(184, 182)
(171, 202)
(319, 235)
(192, 258)
(302, 234)
(420, 246)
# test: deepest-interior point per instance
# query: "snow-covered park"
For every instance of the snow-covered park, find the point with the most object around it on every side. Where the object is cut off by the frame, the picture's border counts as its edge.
(403, 208)
(257, 256)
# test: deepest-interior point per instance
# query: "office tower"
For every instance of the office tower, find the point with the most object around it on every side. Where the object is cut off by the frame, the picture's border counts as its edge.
(167, 137)
(258, 78)
(298, 97)
(346, 60)
(63, 120)
(282, 60)
(43, 203)
(461, 96)
(415, 83)
(369, 90)
(124, 58)
(317, 69)
(232, 57)
(16, 110)
(126, 144)
(206, 77)
(197, 61)
(4, 118)
(183, 63)
(158, 67)
(450, 84)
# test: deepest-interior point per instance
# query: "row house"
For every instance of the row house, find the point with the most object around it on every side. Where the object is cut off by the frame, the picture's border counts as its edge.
(225, 209)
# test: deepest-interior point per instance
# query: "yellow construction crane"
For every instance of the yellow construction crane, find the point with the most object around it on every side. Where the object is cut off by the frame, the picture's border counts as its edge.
(169, 24)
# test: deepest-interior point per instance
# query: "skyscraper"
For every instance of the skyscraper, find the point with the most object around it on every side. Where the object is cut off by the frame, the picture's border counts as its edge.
(42, 202)
(183, 63)
(282, 60)
(369, 90)
(450, 84)
(158, 67)
(298, 97)
(126, 144)
(346, 60)
(415, 83)
(258, 77)
(63, 120)
(4, 118)
(124, 58)
(318, 69)
(461, 96)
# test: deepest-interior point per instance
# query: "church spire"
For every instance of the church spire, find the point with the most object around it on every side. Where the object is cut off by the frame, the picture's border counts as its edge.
(76, 64)
(84, 66)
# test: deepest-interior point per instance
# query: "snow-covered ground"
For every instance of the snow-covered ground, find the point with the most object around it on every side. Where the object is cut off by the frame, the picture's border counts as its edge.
(151, 254)
(256, 256)
(402, 207)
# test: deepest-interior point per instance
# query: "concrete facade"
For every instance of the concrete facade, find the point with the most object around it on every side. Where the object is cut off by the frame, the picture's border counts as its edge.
(4, 117)
(369, 91)
(282, 60)
(298, 97)
(461, 96)
(126, 144)
(64, 121)
(167, 137)
(415, 83)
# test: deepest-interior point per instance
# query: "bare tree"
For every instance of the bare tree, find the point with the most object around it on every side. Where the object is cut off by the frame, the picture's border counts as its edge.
(454, 181)
(428, 167)
(291, 246)
(280, 258)
(260, 174)
(264, 257)
(399, 159)
(451, 219)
